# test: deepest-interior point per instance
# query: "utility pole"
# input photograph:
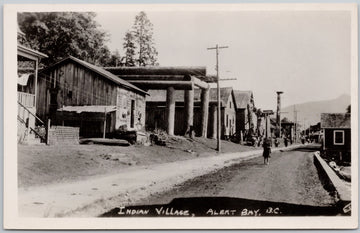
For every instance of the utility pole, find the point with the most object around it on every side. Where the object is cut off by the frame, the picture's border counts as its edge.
(217, 47)
(295, 123)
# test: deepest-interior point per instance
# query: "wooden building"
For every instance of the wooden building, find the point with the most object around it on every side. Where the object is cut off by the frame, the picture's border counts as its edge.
(228, 112)
(337, 135)
(156, 106)
(246, 119)
(76, 93)
(170, 80)
(28, 63)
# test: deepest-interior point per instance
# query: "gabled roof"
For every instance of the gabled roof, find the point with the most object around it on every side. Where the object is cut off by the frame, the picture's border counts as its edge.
(242, 98)
(336, 120)
(100, 71)
(225, 93)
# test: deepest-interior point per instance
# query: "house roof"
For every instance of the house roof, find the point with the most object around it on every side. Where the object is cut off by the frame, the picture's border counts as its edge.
(336, 120)
(242, 98)
(31, 52)
(225, 93)
(100, 71)
(160, 95)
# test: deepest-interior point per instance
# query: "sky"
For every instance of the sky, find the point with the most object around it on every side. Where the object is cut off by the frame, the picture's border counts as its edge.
(305, 54)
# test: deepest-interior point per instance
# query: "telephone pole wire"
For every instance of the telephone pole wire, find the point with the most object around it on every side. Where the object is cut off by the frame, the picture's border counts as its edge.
(217, 47)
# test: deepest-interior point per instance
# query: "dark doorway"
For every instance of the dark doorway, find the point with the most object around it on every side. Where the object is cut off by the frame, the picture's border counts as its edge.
(132, 114)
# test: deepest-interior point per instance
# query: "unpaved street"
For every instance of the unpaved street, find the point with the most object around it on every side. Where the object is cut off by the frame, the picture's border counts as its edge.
(291, 177)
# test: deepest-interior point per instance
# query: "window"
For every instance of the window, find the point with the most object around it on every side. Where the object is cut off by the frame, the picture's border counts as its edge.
(227, 120)
(339, 137)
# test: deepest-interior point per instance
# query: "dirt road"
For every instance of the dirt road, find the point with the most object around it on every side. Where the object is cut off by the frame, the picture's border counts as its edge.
(291, 177)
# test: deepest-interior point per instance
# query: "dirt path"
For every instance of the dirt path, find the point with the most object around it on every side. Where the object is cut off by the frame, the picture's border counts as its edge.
(44, 165)
(291, 177)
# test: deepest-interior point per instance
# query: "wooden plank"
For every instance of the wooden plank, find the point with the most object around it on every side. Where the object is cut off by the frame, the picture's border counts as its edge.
(71, 84)
(58, 84)
(100, 90)
(106, 93)
(95, 93)
(78, 86)
(87, 88)
(183, 85)
(113, 95)
(82, 87)
(156, 70)
(74, 87)
(91, 86)
(156, 77)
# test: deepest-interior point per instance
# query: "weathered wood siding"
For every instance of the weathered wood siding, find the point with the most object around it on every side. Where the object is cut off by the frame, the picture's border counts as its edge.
(75, 85)
(124, 113)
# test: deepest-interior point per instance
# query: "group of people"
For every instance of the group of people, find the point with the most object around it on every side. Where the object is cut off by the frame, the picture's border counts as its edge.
(287, 140)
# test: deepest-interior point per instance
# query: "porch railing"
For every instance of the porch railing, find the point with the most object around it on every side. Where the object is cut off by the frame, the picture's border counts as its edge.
(26, 99)
(23, 111)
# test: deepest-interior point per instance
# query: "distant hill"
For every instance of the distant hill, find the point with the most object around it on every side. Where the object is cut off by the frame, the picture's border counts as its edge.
(311, 110)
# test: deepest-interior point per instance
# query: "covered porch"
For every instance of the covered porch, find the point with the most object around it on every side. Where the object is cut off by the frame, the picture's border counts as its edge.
(172, 79)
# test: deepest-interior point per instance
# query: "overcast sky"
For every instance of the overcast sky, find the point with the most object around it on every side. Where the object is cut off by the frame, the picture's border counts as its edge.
(304, 54)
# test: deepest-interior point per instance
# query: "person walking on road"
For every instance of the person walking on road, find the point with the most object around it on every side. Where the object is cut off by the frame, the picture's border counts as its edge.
(267, 151)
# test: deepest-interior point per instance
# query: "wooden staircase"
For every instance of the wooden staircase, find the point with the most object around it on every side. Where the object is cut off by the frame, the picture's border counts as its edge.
(27, 133)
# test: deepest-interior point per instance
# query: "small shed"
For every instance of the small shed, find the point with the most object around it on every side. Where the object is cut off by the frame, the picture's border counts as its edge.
(337, 135)
(76, 93)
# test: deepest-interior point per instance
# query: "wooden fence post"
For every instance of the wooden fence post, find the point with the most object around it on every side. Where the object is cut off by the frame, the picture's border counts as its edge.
(47, 131)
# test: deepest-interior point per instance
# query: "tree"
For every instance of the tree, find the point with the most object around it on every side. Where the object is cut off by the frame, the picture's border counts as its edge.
(60, 34)
(143, 37)
(113, 60)
(348, 109)
(129, 47)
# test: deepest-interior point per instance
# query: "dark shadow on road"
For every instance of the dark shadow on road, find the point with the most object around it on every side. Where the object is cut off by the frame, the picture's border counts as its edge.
(309, 148)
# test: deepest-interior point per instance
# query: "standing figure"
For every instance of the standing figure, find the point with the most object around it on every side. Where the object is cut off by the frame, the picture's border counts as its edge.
(267, 151)
(259, 141)
(302, 139)
(286, 141)
(277, 142)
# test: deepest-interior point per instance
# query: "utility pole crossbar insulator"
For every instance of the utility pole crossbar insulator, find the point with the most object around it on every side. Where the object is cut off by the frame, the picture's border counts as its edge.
(228, 79)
